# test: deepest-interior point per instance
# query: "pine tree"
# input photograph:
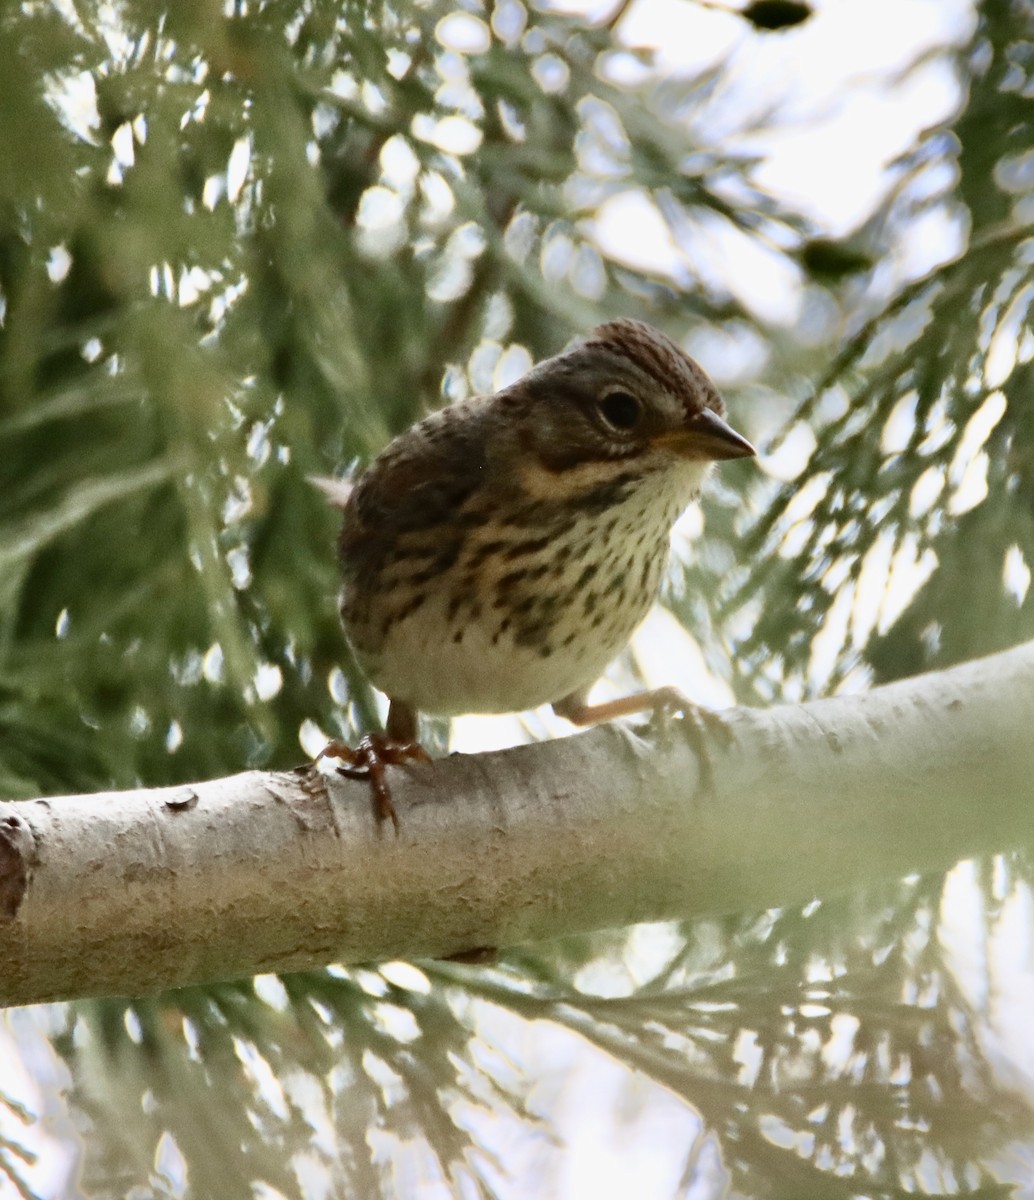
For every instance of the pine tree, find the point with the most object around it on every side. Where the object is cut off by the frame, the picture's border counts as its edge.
(239, 248)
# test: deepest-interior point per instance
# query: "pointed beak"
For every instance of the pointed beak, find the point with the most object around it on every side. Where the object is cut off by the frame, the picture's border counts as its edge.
(705, 436)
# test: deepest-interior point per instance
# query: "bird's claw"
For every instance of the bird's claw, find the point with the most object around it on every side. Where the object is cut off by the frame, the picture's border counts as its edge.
(368, 760)
(701, 725)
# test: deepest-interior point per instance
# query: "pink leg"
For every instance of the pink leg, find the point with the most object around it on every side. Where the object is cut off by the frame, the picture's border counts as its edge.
(663, 702)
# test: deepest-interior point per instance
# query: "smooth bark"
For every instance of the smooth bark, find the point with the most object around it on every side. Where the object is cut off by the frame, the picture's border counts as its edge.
(131, 892)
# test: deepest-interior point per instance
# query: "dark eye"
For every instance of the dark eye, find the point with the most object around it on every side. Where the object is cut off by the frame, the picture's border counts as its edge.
(621, 410)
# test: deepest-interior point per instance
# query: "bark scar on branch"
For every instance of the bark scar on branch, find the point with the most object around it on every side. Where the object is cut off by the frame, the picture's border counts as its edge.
(18, 855)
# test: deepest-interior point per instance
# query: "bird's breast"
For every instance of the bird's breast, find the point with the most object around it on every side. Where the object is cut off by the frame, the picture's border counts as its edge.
(510, 614)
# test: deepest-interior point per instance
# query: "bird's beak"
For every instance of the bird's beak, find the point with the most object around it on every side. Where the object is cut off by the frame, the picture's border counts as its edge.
(707, 437)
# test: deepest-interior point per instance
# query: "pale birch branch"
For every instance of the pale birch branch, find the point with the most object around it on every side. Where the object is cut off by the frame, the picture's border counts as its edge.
(130, 892)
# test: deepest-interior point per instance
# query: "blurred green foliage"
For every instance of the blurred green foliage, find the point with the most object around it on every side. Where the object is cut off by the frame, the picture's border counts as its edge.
(243, 245)
(234, 252)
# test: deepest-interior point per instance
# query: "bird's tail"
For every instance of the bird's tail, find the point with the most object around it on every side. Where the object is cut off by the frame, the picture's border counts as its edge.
(336, 490)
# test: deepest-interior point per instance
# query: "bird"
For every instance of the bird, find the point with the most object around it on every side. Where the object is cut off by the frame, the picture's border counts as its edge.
(499, 554)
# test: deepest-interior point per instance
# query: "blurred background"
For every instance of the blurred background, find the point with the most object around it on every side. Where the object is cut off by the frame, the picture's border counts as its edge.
(243, 243)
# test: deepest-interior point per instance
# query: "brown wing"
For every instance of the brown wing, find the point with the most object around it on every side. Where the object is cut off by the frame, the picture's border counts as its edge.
(416, 488)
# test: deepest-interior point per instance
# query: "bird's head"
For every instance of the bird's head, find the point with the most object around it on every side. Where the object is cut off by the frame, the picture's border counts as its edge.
(624, 400)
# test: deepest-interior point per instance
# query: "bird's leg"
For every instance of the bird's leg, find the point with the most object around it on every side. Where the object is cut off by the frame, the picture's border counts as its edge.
(401, 723)
(664, 703)
(376, 751)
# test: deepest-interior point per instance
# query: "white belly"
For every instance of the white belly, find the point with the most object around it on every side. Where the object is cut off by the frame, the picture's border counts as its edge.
(479, 675)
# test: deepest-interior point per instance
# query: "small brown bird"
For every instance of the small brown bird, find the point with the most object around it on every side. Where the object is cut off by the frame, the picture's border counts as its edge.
(501, 552)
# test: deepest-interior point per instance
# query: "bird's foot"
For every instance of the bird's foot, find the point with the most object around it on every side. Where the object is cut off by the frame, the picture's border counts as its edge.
(703, 725)
(369, 759)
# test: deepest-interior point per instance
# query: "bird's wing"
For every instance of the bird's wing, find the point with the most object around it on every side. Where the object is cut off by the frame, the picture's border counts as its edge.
(422, 480)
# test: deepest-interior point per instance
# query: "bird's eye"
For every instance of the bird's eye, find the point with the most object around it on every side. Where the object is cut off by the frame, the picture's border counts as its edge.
(620, 410)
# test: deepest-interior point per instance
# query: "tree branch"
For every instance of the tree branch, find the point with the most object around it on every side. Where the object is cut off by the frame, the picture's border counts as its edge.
(130, 892)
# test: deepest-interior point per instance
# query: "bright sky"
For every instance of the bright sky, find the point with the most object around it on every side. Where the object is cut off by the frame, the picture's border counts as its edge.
(832, 106)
